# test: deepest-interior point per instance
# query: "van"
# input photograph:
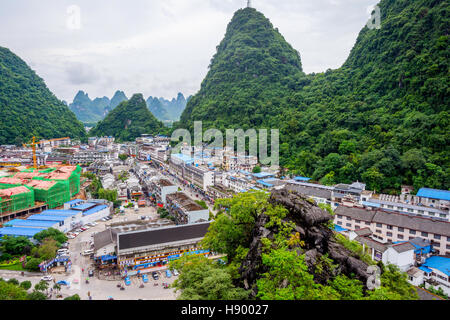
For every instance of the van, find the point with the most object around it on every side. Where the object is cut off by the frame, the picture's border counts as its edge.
(63, 251)
(88, 252)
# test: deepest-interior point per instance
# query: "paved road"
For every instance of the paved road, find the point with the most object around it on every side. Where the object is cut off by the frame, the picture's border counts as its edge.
(103, 289)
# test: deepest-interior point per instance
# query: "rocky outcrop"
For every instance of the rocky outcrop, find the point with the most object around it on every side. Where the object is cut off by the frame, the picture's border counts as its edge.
(310, 222)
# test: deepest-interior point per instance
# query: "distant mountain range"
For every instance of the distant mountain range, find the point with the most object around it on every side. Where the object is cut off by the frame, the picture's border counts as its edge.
(89, 111)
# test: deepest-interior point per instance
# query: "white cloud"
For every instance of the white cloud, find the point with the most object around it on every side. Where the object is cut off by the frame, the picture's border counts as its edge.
(162, 47)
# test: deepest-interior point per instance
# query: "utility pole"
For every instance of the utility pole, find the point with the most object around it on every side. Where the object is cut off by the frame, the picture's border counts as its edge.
(249, 3)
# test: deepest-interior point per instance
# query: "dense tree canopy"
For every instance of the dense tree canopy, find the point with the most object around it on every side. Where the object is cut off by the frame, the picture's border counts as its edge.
(28, 108)
(128, 121)
(382, 118)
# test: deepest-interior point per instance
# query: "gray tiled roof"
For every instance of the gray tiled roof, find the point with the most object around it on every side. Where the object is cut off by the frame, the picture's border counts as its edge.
(372, 243)
(403, 247)
(104, 238)
(397, 219)
(312, 192)
(363, 232)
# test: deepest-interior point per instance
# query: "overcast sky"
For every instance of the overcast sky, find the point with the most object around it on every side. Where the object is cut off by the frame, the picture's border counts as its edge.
(161, 47)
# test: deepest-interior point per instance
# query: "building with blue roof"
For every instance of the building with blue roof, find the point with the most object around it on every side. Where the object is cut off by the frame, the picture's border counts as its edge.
(64, 213)
(72, 203)
(263, 175)
(20, 231)
(84, 206)
(437, 273)
(31, 224)
(302, 179)
(434, 194)
(95, 210)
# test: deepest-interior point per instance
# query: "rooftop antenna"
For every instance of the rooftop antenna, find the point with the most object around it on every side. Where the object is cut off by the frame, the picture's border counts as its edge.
(249, 3)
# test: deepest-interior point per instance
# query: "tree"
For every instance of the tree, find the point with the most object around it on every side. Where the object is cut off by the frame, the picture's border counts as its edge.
(11, 291)
(41, 286)
(256, 169)
(202, 279)
(36, 295)
(33, 264)
(52, 233)
(26, 284)
(16, 245)
(47, 250)
(74, 297)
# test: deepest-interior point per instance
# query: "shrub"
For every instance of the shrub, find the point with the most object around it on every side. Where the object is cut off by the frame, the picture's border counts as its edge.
(26, 284)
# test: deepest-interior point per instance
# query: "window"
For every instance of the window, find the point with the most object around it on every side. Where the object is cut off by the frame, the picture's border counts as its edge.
(400, 236)
(442, 215)
(410, 238)
(389, 234)
(421, 212)
(348, 218)
(431, 214)
(436, 244)
(400, 229)
(437, 237)
(339, 216)
(368, 224)
(391, 207)
(379, 225)
(348, 224)
(412, 231)
(448, 246)
(389, 227)
(424, 234)
(358, 221)
(378, 231)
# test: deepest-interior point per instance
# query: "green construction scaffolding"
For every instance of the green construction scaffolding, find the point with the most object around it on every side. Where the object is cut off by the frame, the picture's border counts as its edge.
(55, 196)
(17, 202)
(8, 186)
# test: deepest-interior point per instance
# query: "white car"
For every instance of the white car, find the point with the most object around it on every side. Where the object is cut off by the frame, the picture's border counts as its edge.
(47, 278)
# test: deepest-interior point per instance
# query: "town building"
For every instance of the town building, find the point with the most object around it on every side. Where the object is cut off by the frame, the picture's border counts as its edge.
(185, 210)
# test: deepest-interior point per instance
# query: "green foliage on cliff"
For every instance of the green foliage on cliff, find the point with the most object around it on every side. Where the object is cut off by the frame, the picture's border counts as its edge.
(128, 121)
(381, 118)
(28, 108)
(288, 276)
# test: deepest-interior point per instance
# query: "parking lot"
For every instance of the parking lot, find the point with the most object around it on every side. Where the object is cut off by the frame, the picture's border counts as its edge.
(103, 289)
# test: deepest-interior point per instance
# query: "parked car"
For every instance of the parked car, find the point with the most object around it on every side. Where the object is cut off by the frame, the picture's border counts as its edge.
(47, 278)
(104, 219)
(94, 223)
(91, 273)
(175, 272)
(71, 236)
(168, 273)
(63, 282)
(155, 275)
(83, 229)
(127, 281)
(144, 278)
(62, 251)
(88, 252)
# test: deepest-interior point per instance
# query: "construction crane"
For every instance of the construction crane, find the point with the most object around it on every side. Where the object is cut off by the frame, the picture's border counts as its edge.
(33, 144)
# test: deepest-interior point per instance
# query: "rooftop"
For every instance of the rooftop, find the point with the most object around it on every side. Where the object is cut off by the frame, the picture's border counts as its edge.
(141, 239)
(19, 231)
(440, 263)
(434, 194)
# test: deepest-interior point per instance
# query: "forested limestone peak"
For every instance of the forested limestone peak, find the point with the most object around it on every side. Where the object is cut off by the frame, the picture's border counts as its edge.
(28, 108)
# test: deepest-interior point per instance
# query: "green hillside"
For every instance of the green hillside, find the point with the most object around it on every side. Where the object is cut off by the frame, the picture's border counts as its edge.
(382, 118)
(128, 121)
(28, 108)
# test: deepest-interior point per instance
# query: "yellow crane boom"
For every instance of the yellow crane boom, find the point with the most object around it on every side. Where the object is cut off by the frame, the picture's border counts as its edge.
(33, 144)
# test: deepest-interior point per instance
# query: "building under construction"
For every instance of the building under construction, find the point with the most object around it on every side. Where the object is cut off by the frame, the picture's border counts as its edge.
(28, 190)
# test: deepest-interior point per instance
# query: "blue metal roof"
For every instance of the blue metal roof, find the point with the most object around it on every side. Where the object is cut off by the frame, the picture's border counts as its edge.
(263, 175)
(94, 210)
(30, 223)
(302, 179)
(427, 270)
(63, 213)
(434, 194)
(16, 231)
(262, 182)
(439, 263)
(42, 217)
(371, 204)
(84, 206)
(338, 228)
(75, 201)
